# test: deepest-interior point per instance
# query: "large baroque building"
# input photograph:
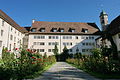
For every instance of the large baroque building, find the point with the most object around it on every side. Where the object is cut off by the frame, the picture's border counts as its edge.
(43, 36)
(76, 36)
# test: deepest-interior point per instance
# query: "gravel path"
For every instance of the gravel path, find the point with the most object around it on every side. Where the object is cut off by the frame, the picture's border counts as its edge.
(64, 71)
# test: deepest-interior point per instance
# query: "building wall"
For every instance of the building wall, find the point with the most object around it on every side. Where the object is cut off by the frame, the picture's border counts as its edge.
(116, 39)
(82, 42)
(9, 36)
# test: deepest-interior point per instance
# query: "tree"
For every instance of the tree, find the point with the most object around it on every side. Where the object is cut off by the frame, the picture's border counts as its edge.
(55, 51)
(65, 54)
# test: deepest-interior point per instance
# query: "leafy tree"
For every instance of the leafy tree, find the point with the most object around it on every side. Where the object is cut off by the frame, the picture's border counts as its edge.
(65, 54)
(55, 51)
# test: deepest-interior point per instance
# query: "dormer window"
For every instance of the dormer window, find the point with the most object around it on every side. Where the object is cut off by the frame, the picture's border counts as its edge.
(84, 30)
(54, 29)
(61, 30)
(71, 30)
(42, 30)
(33, 30)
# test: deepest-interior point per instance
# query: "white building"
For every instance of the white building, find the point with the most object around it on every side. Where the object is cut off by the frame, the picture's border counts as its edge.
(11, 34)
(76, 36)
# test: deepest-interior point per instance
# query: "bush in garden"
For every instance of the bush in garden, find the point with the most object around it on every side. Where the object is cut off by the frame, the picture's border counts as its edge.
(97, 63)
(23, 66)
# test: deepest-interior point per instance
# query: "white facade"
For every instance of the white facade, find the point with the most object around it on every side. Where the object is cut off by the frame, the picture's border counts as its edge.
(9, 36)
(46, 43)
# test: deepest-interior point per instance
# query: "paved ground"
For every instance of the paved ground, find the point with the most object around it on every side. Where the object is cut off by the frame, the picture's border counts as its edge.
(64, 71)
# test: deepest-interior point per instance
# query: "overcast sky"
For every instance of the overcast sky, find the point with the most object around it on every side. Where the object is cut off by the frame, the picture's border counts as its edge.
(23, 11)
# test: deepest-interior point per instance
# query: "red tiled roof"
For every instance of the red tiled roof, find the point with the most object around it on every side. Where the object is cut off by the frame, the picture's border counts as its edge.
(92, 27)
(5, 17)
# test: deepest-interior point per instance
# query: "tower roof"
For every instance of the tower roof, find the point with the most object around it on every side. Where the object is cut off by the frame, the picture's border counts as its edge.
(103, 13)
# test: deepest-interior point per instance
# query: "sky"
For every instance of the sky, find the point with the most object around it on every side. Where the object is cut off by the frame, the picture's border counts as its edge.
(23, 11)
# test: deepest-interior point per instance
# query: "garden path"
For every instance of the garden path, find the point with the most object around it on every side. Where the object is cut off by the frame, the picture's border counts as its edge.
(64, 71)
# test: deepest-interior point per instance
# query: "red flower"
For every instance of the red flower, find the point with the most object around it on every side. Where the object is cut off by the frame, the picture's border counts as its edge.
(28, 49)
(33, 57)
(16, 48)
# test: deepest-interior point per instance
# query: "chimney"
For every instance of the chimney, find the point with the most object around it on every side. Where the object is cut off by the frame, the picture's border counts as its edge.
(33, 20)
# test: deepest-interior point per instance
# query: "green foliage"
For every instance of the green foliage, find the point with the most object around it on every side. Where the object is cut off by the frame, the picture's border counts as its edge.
(97, 62)
(26, 65)
(55, 51)
(65, 54)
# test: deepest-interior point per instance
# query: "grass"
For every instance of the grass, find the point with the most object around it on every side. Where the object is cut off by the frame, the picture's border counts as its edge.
(99, 75)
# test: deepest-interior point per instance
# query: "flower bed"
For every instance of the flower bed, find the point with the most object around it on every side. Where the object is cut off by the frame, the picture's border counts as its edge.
(24, 65)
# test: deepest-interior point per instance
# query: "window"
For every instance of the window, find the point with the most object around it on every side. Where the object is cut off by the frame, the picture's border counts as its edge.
(92, 37)
(18, 40)
(86, 37)
(83, 37)
(41, 50)
(84, 30)
(67, 37)
(70, 50)
(77, 50)
(3, 22)
(42, 43)
(50, 50)
(11, 37)
(61, 30)
(39, 37)
(14, 45)
(0, 43)
(11, 28)
(53, 43)
(86, 44)
(42, 30)
(33, 30)
(53, 37)
(72, 30)
(54, 29)
(83, 50)
(38, 43)
(14, 39)
(1, 32)
(37, 50)
(103, 22)
(76, 37)
(67, 43)
(10, 46)
(83, 43)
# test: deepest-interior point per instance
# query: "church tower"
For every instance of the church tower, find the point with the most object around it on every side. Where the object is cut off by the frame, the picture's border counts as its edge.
(103, 20)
